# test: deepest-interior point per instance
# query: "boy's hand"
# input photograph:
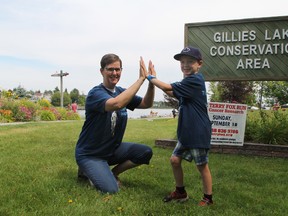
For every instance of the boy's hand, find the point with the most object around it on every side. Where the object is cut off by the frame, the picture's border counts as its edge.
(151, 69)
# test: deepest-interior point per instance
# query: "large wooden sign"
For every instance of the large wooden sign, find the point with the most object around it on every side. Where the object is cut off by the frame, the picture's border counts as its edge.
(248, 49)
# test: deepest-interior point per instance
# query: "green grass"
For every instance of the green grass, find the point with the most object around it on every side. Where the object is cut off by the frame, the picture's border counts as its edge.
(38, 176)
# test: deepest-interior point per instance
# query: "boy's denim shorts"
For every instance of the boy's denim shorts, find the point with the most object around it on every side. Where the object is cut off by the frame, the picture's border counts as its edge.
(199, 155)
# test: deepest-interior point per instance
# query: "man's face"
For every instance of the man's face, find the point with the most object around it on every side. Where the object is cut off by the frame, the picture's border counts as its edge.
(111, 74)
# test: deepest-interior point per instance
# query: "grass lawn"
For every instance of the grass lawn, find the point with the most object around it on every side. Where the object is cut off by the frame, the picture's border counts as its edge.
(38, 176)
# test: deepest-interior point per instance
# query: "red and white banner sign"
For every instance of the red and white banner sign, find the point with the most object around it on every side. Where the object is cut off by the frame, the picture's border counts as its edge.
(228, 123)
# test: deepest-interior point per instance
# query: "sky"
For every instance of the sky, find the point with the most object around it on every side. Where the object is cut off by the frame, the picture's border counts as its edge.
(41, 37)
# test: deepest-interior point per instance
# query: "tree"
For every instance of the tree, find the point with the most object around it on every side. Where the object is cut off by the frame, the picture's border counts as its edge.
(74, 95)
(48, 92)
(20, 92)
(56, 90)
(234, 91)
(66, 99)
(82, 100)
(55, 99)
(276, 92)
(171, 101)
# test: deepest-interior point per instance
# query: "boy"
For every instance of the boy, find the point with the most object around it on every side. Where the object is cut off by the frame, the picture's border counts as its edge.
(194, 126)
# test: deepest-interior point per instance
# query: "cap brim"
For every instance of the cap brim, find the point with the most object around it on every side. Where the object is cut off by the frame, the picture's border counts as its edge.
(178, 56)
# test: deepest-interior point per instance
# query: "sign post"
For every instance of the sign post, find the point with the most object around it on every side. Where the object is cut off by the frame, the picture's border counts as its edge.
(61, 74)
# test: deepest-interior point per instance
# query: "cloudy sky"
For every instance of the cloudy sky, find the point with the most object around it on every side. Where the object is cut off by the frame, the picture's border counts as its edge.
(41, 37)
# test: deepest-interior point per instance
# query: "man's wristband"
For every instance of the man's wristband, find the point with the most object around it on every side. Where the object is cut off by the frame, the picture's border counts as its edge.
(150, 77)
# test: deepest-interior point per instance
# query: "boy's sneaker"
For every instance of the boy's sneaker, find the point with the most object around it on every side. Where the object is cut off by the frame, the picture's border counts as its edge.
(176, 196)
(205, 202)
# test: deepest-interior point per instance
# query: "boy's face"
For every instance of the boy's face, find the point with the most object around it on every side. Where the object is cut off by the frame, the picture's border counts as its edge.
(189, 65)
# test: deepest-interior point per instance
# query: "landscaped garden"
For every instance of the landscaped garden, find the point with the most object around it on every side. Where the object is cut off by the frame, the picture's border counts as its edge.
(23, 110)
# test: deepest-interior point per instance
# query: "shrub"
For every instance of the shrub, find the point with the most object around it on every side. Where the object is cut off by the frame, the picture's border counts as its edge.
(268, 127)
(26, 110)
(63, 113)
(67, 114)
(6, 116)
(72, 116)
(23, 114)
(54, 111)
(44, 103)
(251, 126)
(21, 110)
(47, 115)
(9, 104)
(12, 110)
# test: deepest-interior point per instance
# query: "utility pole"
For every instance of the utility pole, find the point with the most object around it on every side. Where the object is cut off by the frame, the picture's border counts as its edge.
(61, 74)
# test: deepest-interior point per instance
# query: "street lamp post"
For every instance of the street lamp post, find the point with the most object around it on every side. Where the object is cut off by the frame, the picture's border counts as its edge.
(61, 74)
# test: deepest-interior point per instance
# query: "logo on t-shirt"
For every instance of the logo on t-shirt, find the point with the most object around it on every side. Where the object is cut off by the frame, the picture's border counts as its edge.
(113, 122)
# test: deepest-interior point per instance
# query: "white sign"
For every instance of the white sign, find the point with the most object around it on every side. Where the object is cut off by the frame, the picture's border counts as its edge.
(228, 123)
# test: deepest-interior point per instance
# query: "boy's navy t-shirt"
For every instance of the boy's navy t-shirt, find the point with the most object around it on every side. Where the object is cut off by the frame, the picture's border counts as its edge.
(194, 125)
(103, 131)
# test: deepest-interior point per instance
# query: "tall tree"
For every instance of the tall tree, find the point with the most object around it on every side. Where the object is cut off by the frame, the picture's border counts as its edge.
(56, 89)
(276, 92)
(74, 95)
(56, 100)
(20, 92)
(233, 91)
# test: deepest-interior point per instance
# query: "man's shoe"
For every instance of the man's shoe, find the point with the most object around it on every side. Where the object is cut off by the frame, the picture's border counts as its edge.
(91, 183)
(81, 175)
(176, 196)
(119, 183)
(205, 202)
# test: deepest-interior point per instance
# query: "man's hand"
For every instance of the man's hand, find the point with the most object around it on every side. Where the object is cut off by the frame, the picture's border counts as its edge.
(143, 71)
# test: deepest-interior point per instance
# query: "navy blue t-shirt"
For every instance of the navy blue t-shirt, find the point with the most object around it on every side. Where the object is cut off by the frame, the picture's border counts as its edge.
(194, 125)
(103, 131)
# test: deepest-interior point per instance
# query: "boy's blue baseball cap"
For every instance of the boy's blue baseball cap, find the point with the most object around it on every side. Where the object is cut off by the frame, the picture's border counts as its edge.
(189, 51)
